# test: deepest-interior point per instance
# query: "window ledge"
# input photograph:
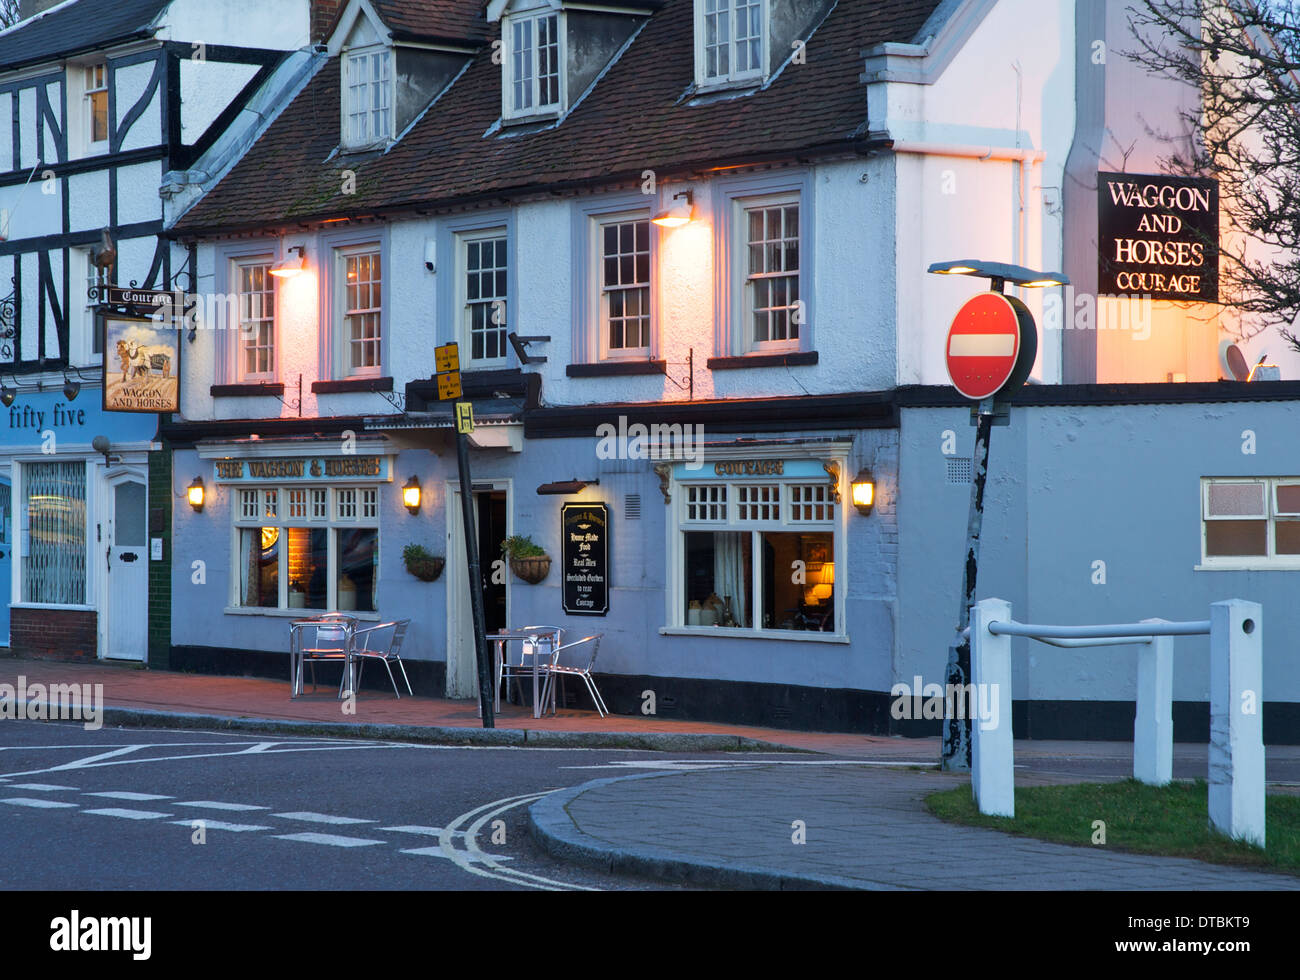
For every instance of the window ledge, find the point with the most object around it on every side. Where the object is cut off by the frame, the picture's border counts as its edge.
(610, 369)
(297, 613)
(351, 384)
(792, 359)
(550, 115)
(1259, 565)
(273, 389)
(712, 632)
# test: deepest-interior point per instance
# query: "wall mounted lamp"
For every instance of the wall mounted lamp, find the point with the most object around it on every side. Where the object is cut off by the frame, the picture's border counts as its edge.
(677, 214)
(864, 492)
(291, 266)
(411, 495)
(195, 494)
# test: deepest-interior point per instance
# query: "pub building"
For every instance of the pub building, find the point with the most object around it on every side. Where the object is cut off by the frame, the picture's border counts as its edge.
(706, 362)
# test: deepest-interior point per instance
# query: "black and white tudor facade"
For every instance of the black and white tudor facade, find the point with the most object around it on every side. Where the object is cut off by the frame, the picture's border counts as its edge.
(113, 114)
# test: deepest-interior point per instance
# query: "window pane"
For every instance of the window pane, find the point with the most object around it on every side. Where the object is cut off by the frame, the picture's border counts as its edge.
(259, 567)
(486, 313)
(308, 567)
(54, 569)
(1236, 499)
(99, 117)
(1229, 538)
(719, 570)
(1288, 498)
(799, 581)
(358, 568)
(129, 515)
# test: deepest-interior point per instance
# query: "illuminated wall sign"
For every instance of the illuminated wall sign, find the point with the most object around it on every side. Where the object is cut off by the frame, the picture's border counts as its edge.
(302, 468)
(1158, 237)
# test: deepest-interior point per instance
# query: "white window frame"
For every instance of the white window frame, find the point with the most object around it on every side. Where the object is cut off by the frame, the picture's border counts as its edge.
(88, 106)
(1270, 516)
(463, 326)
(237, 265)
(732, 76)
(81, 123)
(340, 335)
(508, 28)
(84, 275)
(283, 521)
(371, 134)
(744, 281)
(679, 526)
(599, 299)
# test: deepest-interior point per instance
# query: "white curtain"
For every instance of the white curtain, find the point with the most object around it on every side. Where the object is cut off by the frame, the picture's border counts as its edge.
(731, 573)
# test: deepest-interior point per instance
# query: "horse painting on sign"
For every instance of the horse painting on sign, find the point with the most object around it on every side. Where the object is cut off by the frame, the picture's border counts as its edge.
(140, 366)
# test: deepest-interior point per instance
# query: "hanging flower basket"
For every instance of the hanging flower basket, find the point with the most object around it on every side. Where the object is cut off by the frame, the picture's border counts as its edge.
(421, 563)
(531, 570)
(426, 569)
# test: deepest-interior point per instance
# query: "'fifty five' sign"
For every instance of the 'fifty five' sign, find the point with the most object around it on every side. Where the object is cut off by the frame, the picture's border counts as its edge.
(991, 345)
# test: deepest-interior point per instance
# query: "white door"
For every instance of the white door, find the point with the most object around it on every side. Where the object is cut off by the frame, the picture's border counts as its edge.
(126, 552)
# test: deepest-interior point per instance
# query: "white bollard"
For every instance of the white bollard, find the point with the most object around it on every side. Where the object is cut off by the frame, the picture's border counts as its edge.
(1153, 726)
(1236, 722)
(992, 754)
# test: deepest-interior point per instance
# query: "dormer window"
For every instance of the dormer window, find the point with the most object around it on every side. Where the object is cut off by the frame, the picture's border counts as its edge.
(534, 79)
(730, 40)
(368, 97)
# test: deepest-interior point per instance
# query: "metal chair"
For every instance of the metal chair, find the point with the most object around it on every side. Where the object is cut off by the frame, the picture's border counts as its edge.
(583, 660)
(551, 637)
(330, 639)
(362, 651)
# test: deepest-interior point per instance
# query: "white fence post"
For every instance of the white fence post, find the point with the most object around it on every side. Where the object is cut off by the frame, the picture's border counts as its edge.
(1236, 724)
(1153, 726)
(992, 753)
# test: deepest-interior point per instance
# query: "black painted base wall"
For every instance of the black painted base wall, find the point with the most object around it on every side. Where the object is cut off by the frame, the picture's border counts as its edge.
(786, 706)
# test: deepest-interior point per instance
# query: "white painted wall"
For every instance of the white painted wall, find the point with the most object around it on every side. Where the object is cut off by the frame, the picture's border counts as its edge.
(207, 87)
(283, 25)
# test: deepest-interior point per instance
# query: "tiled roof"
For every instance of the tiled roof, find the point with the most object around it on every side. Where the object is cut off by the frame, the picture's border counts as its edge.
(435, 19)
(72, 27)
(634, 119)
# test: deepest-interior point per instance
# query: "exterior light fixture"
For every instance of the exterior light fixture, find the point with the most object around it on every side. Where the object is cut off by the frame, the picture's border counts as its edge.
(864, 492)
(411, 495)
(677, 214)
(1000, 273)
(195, 494)
(7, 395)
(291, 266)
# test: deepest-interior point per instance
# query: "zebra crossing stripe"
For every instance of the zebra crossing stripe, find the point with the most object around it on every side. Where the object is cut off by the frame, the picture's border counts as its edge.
(310, 817)
(213, 805)
(333, 840)
(218, 825)
(30, 801)
(126, 795)
(129, 814)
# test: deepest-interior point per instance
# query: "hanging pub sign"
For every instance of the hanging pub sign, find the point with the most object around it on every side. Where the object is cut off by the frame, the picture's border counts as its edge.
(141, 364)
(1158, 236)
(585, 551)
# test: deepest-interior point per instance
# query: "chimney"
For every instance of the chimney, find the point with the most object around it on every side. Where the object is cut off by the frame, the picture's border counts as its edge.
(30, 8)
(323, 13)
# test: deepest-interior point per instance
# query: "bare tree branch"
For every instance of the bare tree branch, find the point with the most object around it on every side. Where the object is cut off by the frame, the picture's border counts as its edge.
(8, 13)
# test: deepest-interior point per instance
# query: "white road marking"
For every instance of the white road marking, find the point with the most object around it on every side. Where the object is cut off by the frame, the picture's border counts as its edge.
(410, 829)
(319, 817)
(80, 763)
(127, 795)
(29, 801)
(219, 825)
(437, 852)
(330, 839)
(214, 805)
(40, 787)
(682, 765)
(129, 814)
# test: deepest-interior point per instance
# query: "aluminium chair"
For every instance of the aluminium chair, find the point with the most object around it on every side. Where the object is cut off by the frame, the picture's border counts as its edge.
(370, 645)
(581, 655)
(327, 638)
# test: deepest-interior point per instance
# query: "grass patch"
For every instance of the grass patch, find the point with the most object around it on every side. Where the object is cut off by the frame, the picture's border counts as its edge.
(1168, 820)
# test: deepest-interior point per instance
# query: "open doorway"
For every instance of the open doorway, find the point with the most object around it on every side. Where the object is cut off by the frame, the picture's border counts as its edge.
(491, 519)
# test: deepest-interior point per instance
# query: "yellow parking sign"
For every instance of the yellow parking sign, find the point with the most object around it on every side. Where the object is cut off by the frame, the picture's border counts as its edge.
(464, 417)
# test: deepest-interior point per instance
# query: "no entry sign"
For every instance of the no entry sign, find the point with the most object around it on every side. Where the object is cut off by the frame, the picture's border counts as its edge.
(991, 345)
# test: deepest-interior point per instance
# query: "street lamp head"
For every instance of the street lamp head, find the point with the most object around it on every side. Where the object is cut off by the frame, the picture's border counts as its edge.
(1000, 273)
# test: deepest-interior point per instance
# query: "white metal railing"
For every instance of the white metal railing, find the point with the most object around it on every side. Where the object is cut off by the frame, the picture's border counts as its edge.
(1236, 768)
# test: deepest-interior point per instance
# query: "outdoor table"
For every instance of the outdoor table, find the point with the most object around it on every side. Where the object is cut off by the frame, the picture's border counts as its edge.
(296, 654)
(544, 642)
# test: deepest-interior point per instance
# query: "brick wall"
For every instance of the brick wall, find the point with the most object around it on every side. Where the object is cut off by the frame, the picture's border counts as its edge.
(323, 13)
(161, 502)
(53, 634)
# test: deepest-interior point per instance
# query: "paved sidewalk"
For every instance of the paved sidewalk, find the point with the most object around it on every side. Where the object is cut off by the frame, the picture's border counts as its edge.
(866, 828)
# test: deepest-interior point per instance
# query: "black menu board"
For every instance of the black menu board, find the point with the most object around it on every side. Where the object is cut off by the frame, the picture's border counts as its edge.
(585, 551)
